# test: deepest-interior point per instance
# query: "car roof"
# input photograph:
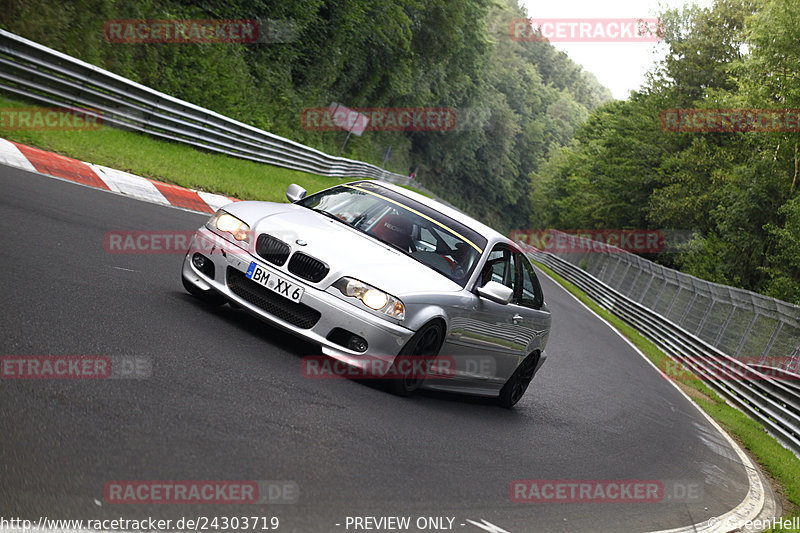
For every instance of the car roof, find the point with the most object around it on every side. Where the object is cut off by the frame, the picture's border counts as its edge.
(491, 235)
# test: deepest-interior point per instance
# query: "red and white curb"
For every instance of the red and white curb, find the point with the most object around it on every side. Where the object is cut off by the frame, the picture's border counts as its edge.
(759, 501)
(109, 179)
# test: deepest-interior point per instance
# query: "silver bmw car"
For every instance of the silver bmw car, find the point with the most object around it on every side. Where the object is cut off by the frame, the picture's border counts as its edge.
(372, 273)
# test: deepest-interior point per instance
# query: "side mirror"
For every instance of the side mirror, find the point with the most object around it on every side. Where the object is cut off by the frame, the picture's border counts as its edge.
(496, 292)
(295, 193)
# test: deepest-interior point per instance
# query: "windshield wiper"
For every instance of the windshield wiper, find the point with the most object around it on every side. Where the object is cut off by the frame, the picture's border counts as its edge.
(387, 243)
(349, 224)
(330, 215)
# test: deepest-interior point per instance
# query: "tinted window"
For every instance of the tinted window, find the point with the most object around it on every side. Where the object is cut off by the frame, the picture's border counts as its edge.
(531, 293)
(438, 242)
(500, 267)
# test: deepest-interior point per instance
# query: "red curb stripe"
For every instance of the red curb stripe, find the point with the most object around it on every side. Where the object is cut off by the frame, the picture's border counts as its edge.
(79, 172)
(62, 167)
(182, 197)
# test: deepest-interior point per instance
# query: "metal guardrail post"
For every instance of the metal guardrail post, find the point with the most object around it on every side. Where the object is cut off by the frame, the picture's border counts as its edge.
(47, 76)
(770, 396)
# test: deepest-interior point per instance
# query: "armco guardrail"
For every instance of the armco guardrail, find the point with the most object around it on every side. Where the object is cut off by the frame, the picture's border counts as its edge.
(45, 75)
(740, 323)
(775, 403)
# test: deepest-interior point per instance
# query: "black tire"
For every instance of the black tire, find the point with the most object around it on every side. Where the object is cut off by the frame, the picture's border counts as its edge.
(514, 389)
(425, 343)
(209, 297)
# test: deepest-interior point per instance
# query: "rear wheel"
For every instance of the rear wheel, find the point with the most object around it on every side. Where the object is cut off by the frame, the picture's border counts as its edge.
(210, 296)
(425, 344)
(517, 384)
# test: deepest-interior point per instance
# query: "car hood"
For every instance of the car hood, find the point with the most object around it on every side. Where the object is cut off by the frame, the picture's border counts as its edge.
(347, 251)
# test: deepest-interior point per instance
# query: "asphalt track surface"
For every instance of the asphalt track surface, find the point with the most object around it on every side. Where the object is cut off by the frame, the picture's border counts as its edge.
(226, 401)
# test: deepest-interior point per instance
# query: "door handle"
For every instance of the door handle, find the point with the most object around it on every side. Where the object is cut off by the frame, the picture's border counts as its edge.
(517, 318)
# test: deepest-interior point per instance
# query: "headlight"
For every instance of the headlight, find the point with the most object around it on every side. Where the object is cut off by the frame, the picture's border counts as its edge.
(230, 224)
(372, 297)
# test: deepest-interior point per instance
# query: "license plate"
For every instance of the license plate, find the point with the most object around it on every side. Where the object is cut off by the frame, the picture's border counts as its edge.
(274, 283)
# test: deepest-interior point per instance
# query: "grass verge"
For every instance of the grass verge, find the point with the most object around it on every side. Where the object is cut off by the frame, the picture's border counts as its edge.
(170, 162)
(781, 465)
(185, 166)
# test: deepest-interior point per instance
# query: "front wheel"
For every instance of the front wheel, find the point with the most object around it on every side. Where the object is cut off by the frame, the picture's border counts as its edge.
(517, 384)
(425, 344)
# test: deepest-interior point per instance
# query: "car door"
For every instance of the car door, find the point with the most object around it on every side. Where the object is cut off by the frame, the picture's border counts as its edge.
(491, 338)
(532, 316)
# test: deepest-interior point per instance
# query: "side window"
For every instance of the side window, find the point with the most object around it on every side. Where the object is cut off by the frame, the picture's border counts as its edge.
(531, 290)
(500, 267)
(510, 277)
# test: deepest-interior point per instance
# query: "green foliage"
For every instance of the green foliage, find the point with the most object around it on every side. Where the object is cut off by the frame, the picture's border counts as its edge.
(736, 191)
(181, 164)
(783, 466)
(537, 141)
(784, 264)
(515, 102)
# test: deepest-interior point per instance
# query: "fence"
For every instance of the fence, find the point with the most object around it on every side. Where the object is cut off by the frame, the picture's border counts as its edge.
(42, 74)
(737, 322)
(714, 330)
(695, 321)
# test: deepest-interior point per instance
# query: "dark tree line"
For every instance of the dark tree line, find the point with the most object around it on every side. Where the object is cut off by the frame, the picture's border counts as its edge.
(737, 191)
(515, 102)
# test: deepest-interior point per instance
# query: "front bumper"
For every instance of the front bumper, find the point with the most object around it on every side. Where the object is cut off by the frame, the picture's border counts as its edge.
(383, 337)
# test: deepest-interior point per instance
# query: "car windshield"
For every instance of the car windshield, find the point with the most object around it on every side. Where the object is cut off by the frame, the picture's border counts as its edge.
(437, 241)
